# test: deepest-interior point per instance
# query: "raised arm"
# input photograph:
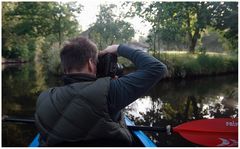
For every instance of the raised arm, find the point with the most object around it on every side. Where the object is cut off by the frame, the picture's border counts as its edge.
(128, 88)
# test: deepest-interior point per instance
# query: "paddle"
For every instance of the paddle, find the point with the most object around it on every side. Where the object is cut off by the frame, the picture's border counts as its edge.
(6, 118)
(210, 132)
(17, 120)
(207, 132)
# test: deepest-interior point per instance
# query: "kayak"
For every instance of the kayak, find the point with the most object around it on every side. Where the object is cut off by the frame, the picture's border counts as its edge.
(140, 135)
(142, 138)
(218, 132)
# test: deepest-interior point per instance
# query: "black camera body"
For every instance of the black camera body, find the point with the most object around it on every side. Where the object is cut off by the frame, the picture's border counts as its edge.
(108, 67)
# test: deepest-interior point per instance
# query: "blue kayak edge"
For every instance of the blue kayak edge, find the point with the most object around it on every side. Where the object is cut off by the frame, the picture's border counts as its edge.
(138, 133)
(35, 142)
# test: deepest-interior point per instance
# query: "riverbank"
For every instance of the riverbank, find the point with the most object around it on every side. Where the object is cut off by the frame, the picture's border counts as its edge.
(180, 64)
(185, 65)
(12, 61)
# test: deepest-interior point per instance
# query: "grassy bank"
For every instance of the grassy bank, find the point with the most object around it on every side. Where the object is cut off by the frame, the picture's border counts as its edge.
(182, 64)
(10, 61)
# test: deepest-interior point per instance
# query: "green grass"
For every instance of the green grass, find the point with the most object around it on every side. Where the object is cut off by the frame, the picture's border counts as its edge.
(183, 64)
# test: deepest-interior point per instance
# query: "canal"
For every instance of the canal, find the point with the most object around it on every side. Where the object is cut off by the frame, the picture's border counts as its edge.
(170, 102)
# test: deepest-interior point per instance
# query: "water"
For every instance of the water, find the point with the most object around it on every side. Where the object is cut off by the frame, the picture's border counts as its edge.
(169, 102)
(179, 101)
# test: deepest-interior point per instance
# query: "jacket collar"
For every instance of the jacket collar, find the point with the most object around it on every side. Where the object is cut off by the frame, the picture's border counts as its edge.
(77, 77)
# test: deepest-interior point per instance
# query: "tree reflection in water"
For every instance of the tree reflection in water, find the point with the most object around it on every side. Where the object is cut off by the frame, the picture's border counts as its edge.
(21, 85)
(169, 102)
(158, 109)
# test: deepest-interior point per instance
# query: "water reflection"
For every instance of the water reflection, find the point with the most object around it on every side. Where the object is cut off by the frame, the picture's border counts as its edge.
(16, 135)
(17, 83)
(21, 85)
(177, 102)
(169, 102)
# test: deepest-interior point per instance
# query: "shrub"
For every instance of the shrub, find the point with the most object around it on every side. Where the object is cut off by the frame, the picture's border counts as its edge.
(53, 59)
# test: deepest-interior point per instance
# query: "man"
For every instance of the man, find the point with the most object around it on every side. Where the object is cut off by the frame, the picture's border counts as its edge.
(87, 109)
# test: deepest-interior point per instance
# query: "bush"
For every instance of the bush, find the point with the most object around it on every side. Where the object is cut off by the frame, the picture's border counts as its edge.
(52, 59)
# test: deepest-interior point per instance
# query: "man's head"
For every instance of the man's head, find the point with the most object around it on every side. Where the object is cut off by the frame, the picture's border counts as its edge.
(79, 55)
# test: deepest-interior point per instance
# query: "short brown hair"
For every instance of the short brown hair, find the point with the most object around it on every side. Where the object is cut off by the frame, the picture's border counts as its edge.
(76, 53)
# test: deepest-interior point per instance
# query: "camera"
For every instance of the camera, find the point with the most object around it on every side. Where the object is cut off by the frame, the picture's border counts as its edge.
(108, 67)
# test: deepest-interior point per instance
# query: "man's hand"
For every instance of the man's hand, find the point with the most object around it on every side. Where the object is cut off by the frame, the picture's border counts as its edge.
(109, 49)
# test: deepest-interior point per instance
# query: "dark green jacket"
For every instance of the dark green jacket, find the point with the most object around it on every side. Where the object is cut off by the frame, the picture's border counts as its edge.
(78, 112)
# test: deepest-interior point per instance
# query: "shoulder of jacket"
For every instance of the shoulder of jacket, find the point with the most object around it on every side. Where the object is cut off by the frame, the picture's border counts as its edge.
(104, 79)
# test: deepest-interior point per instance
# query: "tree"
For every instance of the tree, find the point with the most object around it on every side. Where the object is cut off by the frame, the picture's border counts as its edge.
(24, 22)
(182, 18)
(165, 26)
(108, 29)
(227, 20)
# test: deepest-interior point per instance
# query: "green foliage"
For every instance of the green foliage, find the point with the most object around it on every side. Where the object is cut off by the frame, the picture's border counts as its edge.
(211, 64)
(53, 60)
(24, 22)
(18, 48)
(108, 29)
(184, 21)
(202, 50)
(168, 111)
(41, 18)
(227, 19)
(214, 40)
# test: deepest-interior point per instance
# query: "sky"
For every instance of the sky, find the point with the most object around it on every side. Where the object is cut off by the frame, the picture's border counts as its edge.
(91, 9)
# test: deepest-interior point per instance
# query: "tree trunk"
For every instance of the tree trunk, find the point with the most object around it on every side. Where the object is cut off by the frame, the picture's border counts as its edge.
(185, 115)
(154, 43)
(189, 31)
(112, 42)
(192, 38)
(59, 33)
(157, 33)
(159, 49)
(194, 41)
(60, 29)
(100, 44)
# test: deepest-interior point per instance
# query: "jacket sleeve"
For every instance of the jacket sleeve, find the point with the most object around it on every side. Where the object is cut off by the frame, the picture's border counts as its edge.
(130, 87)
